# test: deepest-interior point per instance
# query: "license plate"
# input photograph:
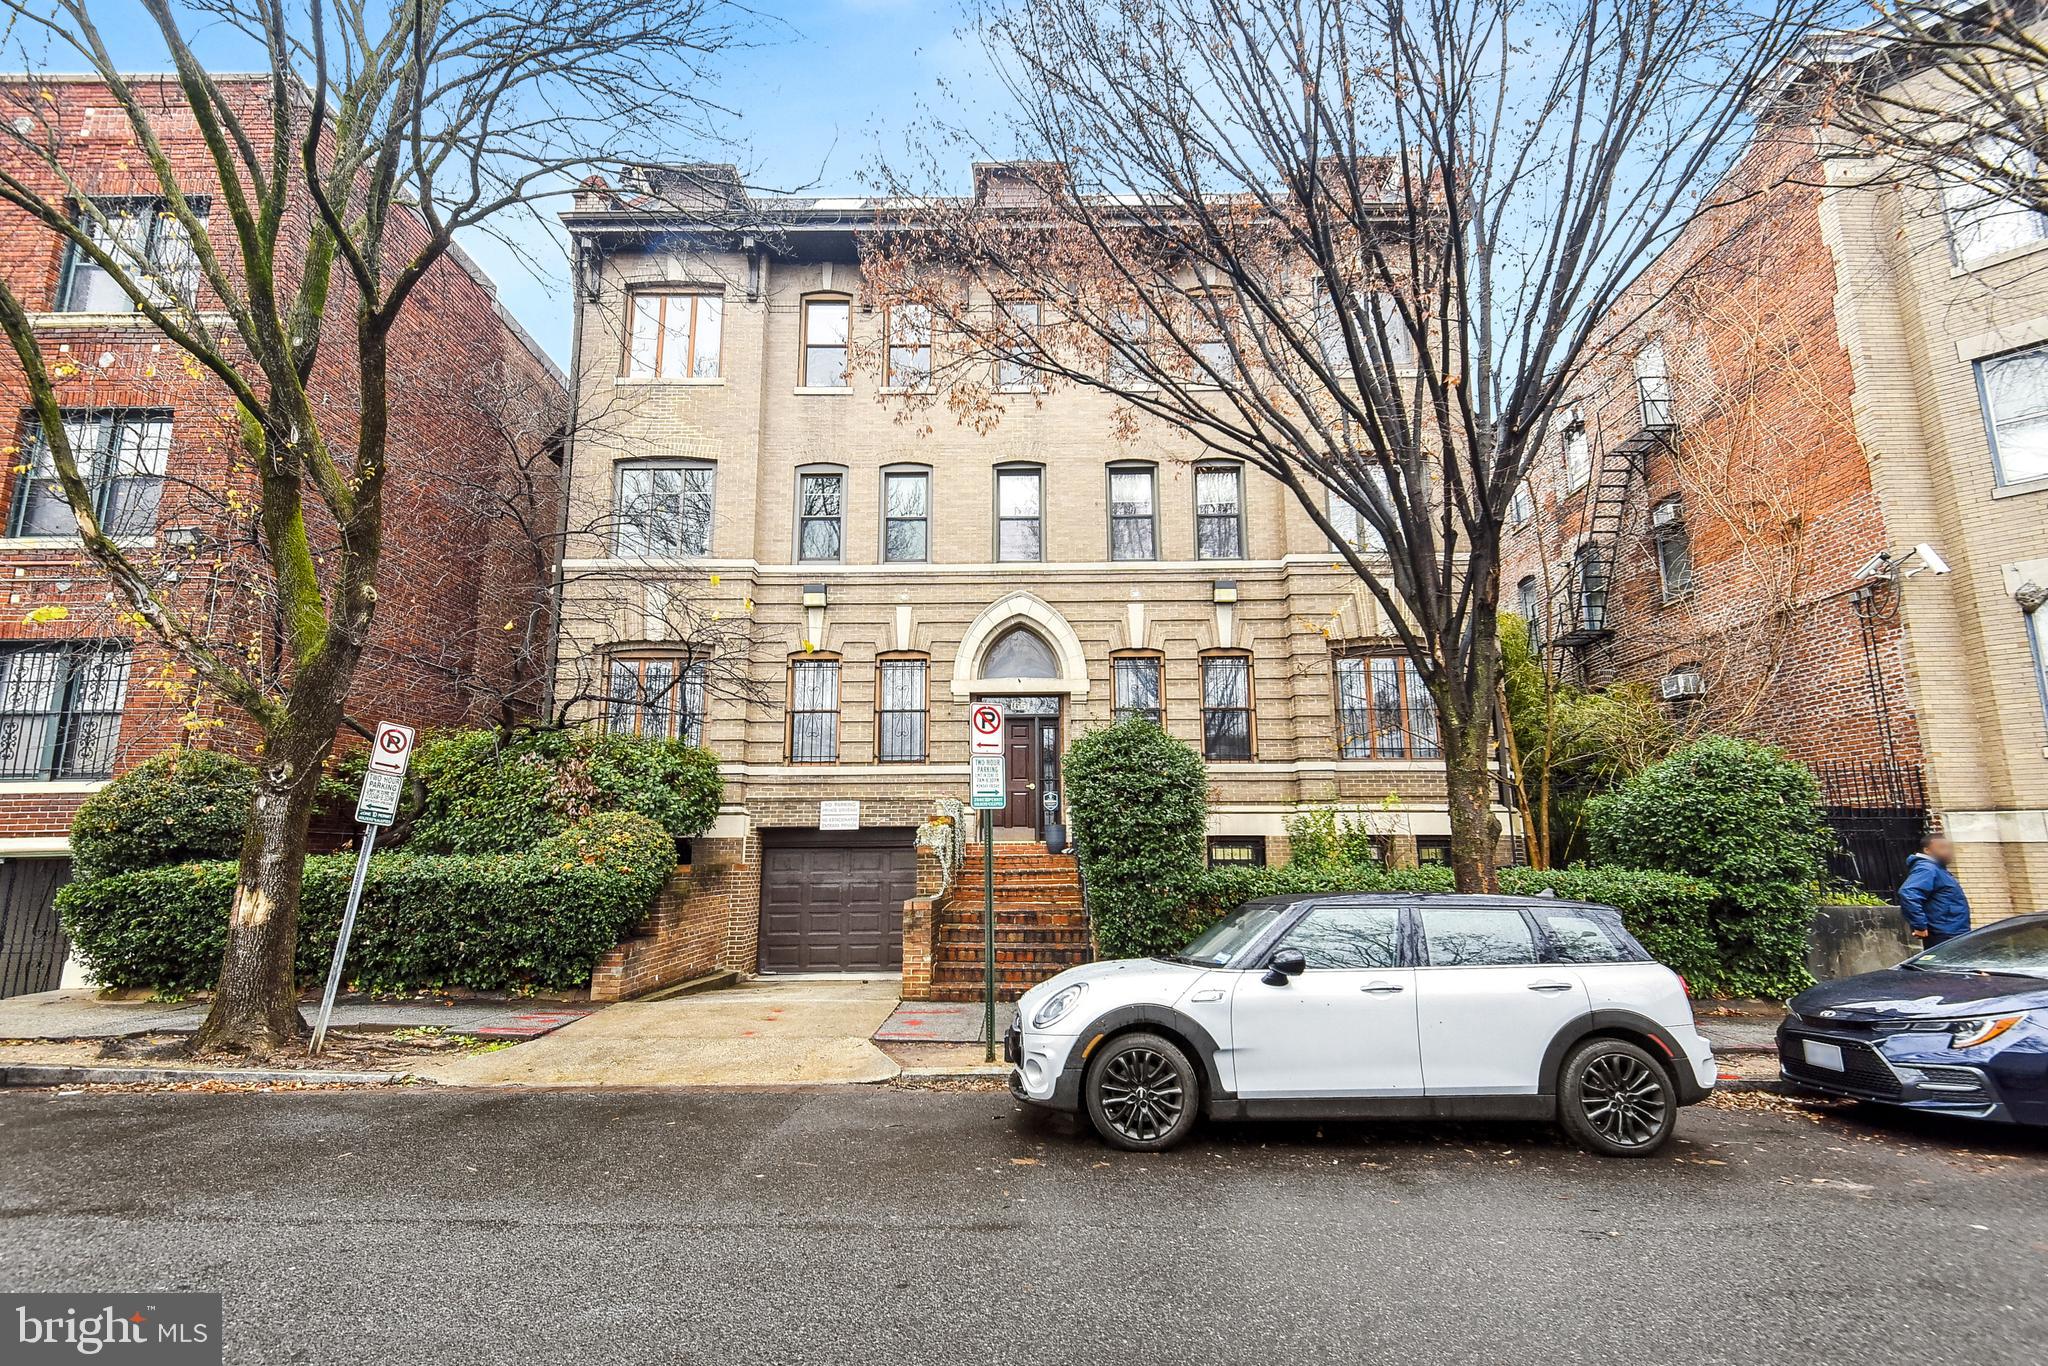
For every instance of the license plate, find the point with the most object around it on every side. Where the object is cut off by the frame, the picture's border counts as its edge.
(1828, 1055)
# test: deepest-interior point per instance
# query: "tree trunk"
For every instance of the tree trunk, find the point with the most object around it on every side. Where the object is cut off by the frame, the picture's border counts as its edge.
(1475, 832)
(256, 1002)
(1466, 726)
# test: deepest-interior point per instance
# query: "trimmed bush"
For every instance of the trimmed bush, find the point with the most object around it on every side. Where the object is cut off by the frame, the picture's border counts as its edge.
(1138, 804)
(499, 922)
(1745, 818)
(485, 795)
(188, 804)
(1726, 810)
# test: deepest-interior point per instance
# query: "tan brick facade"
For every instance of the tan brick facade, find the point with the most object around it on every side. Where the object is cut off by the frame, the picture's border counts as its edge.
(758, 426)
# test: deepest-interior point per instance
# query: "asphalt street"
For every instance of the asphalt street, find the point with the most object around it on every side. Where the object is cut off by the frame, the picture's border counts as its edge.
(886, 1224)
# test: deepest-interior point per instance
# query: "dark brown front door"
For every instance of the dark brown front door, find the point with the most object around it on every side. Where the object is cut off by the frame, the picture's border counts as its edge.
(833, 902)
(1031, 746)
(1020, 750)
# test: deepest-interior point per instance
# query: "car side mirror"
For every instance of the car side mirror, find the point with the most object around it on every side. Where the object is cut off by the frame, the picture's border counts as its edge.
(1283, 965)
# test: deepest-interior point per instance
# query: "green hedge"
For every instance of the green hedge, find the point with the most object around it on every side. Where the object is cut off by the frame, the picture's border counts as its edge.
(1137, 801)
(1745, 818)
(188, 804)
(487, 795)
(497, 922)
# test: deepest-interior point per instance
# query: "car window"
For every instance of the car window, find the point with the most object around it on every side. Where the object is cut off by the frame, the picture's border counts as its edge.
(1577, 939)
(1476, 938)
(2017, 947)
(1348, 937)
(1234, 933)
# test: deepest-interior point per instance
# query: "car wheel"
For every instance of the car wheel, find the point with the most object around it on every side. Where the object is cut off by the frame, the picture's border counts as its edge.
(1142, 1093)
(1614, 1099)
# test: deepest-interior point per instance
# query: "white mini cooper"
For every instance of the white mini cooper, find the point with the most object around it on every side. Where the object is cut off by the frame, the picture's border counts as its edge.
(1381, 1005)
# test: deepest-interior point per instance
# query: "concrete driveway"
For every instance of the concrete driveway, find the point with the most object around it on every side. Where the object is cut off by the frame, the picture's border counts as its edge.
(764, 1033)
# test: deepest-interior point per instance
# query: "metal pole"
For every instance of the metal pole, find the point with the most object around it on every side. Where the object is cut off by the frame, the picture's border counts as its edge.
(988, 935)
(348, 925)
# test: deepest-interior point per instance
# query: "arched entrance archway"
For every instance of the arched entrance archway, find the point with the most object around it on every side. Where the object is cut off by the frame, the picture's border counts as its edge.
(1022, 655)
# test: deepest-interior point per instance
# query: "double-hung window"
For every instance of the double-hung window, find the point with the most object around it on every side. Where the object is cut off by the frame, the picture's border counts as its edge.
(1351, 524)
(827, 329)
(60, 709)
(1138, 695)
(1653, 387)
(814, 711)
(1529, 604)
(674, 335)
(1980, 223)
(1578, 455)
(1673, 546)
(2015, 393)
(1020, 505)
(658, 698)
(1133, 515)
(122, 456)
(146, 240)
(664, 510)
(1227, 707)
(821, 515)
(901, 719)
(1383, 711)
(1129, 341)
(1219, 512)
(908, 363)
(1019, 321)
(906, 516)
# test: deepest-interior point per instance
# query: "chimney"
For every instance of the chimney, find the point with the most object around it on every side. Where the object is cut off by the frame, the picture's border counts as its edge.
(1018, 184)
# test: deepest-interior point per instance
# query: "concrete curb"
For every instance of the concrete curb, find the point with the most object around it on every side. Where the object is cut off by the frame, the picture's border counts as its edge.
(59, 1074)
(994, 1072)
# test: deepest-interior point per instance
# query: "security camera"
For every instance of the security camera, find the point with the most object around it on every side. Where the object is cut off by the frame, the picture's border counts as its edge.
(1928, 557)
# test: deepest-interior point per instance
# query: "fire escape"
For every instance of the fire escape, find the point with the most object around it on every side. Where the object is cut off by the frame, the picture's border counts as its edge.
(1580, 614)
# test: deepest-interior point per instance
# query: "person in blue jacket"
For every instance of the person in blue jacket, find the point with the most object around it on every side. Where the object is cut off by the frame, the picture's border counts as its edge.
(1936, 909)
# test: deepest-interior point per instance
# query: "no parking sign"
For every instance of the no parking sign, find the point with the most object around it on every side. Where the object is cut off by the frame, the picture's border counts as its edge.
(985, 729)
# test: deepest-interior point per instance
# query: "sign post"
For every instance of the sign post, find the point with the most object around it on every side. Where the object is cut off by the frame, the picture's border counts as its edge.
(990, 794)
(376, 807)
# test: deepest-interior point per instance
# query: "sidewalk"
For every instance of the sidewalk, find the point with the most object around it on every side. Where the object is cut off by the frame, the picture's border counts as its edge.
(1739, 1026)
(766, 1033)
(76, 1013)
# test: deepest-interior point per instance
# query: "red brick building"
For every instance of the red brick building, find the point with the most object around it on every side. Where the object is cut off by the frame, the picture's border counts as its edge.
(1791, 400)
(1699, 521)
(84, 694)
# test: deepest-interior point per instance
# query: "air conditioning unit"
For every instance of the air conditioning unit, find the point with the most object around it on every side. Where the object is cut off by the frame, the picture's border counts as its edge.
(1683, 685)
(1670, 512)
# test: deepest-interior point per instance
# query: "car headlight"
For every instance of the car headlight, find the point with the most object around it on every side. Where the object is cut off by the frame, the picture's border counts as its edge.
(1970, 1033)
(1062, 1001)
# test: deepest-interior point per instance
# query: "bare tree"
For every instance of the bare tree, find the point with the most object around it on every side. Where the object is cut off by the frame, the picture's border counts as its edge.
(334, 188)
(1955, 89)
(1360, 245)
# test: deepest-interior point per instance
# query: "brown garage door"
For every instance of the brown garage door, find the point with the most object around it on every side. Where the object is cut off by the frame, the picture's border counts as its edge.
(833, 902)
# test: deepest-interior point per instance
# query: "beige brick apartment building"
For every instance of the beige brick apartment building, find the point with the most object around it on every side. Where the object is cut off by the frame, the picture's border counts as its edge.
(1855, 364)
(767, 552)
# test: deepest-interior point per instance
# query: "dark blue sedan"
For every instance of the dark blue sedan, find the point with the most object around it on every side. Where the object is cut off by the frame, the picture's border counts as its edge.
(1961, 1028)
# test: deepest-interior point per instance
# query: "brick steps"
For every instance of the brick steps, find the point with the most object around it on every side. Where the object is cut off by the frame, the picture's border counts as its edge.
(1041, 926)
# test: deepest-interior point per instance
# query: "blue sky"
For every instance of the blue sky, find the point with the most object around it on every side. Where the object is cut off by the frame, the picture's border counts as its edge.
(823, 86)
(829, 84)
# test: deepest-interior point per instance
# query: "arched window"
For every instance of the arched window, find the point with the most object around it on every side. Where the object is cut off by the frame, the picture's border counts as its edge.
(1020, 653)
